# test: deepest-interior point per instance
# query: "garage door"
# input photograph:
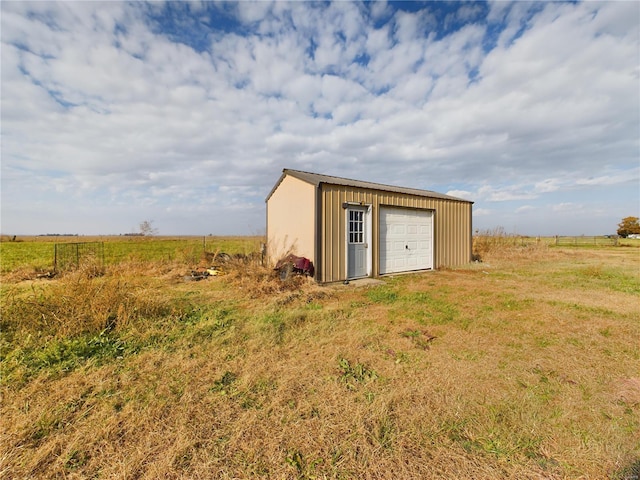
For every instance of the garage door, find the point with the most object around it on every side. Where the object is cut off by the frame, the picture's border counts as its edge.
(406, 240)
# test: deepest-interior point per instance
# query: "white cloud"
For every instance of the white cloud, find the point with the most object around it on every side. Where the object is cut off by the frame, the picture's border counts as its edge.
(630, 176)
(547, 185)
(460, 194)
(99, 104)
(567, 207)
(525, 208)
(482, 212)
(503, 194)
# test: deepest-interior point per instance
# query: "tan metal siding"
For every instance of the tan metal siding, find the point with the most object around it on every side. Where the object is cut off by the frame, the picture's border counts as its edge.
(452, 227)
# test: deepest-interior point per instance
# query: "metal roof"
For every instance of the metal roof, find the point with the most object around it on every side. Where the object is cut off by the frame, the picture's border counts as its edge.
(316, 179)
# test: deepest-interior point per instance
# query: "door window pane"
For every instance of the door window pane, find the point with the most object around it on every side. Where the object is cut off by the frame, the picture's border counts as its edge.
(356, 226)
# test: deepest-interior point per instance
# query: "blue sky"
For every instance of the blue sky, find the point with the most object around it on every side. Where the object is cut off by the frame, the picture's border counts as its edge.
(186, 113)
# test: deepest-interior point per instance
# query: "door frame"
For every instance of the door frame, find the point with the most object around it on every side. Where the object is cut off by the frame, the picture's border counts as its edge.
(368, 227)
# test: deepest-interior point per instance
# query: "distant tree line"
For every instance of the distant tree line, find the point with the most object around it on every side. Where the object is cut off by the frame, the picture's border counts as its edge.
(58, 235)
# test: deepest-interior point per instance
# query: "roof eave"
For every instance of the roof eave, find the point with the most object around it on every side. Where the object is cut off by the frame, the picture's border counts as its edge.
(318, 179)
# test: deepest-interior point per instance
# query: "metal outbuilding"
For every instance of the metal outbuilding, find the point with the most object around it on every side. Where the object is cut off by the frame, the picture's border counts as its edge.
(352, 229)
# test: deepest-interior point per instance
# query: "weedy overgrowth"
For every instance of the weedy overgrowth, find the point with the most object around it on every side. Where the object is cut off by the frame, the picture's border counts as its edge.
(497, 244)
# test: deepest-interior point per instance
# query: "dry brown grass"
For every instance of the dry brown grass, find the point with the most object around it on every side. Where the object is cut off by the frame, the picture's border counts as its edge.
(83, 301)
(517, 367)
(258, 281)
(497, 245)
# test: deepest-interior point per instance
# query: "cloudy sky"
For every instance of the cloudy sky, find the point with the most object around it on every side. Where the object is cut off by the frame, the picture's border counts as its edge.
(185, 113)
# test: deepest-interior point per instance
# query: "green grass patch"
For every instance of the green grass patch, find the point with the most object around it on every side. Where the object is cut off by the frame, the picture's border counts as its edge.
(598, 276)
(61, 356)
(384, 295)
(34, 255)
(430, 308)
(355, 374)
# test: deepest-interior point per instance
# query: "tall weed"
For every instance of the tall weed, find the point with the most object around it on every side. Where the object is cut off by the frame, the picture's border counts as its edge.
(247, 273)
(497, 244)
(82, 302)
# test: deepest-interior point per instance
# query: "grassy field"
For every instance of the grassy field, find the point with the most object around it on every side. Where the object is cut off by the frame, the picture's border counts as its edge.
(524, 366)
(38, 253)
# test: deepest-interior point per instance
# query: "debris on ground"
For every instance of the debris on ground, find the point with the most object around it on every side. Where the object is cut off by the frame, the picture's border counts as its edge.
(293, 265)
(215, 264)
(50, 274)
(200, 273)
(210, 265)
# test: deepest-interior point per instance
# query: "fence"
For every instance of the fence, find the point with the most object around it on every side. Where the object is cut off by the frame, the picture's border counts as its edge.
(68, 256)
(584, 240)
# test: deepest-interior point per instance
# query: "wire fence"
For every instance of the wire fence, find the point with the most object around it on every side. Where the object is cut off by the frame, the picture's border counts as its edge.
(558, 240)
(584, 240)
(67, 256)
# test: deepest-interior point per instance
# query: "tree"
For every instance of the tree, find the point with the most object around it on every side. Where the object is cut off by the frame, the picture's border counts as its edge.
(147, 229)
(628, 226)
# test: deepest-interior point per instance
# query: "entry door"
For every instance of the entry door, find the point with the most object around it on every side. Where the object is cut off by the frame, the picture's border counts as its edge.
(357, 233)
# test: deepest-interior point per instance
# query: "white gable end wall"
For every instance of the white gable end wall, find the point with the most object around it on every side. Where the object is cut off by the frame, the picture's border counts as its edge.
(290, 219)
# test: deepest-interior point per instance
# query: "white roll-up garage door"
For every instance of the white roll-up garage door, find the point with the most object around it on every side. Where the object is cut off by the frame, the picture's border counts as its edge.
(406, 240)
